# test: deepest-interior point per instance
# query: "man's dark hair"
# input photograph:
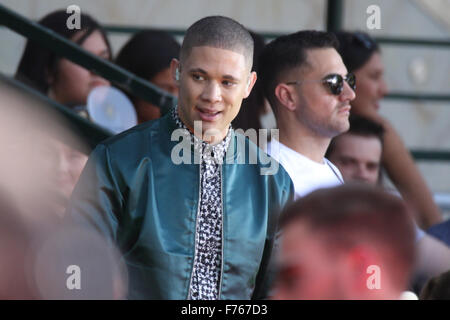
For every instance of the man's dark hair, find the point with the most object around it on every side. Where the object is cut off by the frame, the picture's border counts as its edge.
(355, 48)
(349, 215)
(147, 53)
(218, 32)
(360, 126)
(437, 288)
(287, 52)
(38, 62)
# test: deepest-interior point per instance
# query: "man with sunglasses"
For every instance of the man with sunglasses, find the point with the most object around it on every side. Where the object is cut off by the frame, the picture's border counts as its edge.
(309, 89)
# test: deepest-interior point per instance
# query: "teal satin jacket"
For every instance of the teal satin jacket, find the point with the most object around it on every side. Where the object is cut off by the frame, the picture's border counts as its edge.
(134, 194)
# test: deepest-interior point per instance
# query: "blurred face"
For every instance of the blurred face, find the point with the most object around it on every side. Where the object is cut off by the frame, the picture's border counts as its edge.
(147, 111)
(357, 157)
(310, 268)
(370, 86)
(318, 109)
(72, 83)
(64, 165)
(308, 271)
(213, 82)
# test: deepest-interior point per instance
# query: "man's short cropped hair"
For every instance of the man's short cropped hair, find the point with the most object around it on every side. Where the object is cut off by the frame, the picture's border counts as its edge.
(218, 32)
(351, 215)
(359, 126)
(288, 52)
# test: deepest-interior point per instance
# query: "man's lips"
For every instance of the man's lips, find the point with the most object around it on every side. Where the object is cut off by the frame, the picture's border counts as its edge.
(208, 114)
(345, 109)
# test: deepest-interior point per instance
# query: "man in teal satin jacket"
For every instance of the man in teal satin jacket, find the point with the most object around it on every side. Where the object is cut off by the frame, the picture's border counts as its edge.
(192, 205)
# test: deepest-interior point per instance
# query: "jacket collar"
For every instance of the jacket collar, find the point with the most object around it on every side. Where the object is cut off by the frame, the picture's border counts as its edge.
(229, 143)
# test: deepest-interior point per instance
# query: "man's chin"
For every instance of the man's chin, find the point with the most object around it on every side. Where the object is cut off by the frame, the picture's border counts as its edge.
(210, 132)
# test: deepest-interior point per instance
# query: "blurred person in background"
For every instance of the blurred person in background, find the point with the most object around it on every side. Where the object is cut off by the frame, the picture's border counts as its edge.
(42, 157)
(357, 153)
(59, 78)
(362, 248)
(63, 164)
(437, 288)
(362, 56)
(36, 248)
(14, 242)
(148, 55)
(67, 83)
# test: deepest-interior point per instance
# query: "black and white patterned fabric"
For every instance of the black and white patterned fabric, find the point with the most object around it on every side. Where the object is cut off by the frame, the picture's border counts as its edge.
(208, 243)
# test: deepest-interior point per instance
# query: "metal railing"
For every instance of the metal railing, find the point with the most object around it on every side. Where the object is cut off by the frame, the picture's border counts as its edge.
(68, 49)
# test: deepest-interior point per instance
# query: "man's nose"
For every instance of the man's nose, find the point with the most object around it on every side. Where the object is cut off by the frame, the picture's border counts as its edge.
(363, 173)
(347, 93)
(212, 92)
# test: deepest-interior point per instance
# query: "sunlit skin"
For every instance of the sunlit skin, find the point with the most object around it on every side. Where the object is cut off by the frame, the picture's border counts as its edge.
(357, 157)
(307, 270)
(212, 84)
(371, 86)
(71, 83)
(147, 111)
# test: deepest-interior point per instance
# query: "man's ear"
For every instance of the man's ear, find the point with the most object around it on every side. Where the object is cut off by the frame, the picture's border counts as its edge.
(250, 83)
(175, 70)
(285, 96)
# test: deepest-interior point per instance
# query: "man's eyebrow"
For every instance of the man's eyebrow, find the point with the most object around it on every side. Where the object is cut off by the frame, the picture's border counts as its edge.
(227, 76)
(230, 77)
(199, 70)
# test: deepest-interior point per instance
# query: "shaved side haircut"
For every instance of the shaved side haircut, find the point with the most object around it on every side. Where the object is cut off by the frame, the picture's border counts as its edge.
(286, 53)
(218, 32)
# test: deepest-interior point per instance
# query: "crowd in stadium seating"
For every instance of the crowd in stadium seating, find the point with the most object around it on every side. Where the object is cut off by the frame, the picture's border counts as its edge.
(323, 227)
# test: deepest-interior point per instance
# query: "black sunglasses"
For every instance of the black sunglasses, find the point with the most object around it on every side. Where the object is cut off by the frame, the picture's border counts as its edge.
(335, 82)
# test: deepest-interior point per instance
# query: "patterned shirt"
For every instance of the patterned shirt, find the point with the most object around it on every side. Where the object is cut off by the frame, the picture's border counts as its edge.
(205, 279)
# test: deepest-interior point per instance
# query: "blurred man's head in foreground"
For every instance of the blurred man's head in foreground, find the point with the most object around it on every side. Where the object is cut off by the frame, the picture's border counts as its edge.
(348, 242)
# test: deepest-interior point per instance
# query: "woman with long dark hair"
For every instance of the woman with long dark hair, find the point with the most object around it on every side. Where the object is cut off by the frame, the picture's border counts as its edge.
(362, 56)
(67, 83)
(59, 78)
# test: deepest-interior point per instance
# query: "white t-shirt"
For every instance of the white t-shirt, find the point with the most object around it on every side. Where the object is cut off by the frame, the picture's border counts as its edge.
(306, 174)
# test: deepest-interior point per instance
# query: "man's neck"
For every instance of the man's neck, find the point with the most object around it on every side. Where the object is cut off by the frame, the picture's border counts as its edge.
(305, 142)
